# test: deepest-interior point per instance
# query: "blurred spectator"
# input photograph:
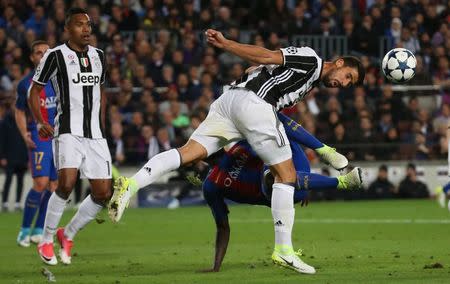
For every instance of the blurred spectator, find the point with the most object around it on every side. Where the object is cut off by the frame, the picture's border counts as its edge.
(410, 186)
(381, 187)
(13, 157)
(116, 146)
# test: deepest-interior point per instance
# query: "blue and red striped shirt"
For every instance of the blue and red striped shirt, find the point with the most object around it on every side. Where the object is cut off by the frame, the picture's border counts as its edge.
(48, 105)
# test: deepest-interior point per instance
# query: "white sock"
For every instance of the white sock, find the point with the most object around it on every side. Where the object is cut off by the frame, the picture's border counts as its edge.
(55, 209)
(86, 213)
(283, 214)
(157, 166)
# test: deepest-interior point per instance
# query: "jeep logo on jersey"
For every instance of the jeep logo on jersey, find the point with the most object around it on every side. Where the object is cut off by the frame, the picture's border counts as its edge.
(86, 79)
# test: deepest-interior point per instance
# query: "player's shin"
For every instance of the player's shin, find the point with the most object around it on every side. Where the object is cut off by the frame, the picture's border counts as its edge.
(283, 213)
(32, 203)
(86, 212)
(310, 181)
(156, 167)
(55, 209)
(42, 209)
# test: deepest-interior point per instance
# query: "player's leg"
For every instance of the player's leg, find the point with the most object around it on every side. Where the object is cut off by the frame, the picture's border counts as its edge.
(96, 167)
(266, 134)
(32, 204)
(311, 181)
(36, 234)
(41, 160)
(298, 134)
(212, 134)
(68, 155)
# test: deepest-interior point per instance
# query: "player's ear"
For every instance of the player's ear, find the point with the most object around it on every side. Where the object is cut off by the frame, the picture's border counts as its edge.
(339, 62)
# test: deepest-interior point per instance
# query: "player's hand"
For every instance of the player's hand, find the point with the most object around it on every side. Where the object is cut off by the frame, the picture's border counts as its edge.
(45, 130)
(215, 38)
(3, 162)
(29, 142)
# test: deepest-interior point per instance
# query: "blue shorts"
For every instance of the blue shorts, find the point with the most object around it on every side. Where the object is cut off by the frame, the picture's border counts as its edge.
(42, 160)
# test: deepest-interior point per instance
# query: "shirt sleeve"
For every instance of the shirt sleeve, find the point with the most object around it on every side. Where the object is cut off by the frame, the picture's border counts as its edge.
(46, 69)
(215, 201)
(300, 59)
(102, 57)
(21, 102)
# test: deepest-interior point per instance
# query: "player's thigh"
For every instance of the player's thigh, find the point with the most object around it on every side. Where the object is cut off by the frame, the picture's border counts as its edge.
(217, 130)
(68, 152)
(41, 159)
(259, 124)
(97, 160)
(67, 177)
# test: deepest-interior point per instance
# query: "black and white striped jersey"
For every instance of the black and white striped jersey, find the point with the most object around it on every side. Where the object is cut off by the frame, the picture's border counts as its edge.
(76, 77)
(284, 85)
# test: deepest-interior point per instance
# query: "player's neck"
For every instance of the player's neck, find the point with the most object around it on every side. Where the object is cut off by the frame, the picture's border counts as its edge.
(76, 47)
(327, 66)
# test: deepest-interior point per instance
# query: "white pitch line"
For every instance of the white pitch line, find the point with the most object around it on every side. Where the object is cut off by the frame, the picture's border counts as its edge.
(351, 221)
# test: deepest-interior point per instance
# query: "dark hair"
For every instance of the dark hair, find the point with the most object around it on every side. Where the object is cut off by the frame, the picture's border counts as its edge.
(383, 167)
(353, 62)
(74, 11)
(411, 166)
(36, 43)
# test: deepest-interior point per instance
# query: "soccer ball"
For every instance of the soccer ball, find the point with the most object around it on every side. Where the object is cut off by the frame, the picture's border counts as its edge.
(399, 65)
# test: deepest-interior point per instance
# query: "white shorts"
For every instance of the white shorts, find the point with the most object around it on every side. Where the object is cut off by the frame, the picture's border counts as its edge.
(90, 156)
(240, 114)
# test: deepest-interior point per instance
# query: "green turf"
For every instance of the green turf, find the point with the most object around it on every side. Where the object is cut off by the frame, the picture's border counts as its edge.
(346, 241)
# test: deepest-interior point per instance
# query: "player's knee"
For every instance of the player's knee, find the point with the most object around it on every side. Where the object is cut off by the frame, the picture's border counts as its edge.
(101, 197)
(64, 189)
(40, 185)
(191, 152)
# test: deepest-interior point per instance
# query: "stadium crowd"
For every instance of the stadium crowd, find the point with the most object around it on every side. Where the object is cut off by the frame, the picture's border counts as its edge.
(162, 76)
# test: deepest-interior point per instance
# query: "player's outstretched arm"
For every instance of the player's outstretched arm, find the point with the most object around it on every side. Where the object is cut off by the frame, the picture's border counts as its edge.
(251, 53)
(45, 130)
(222, 239)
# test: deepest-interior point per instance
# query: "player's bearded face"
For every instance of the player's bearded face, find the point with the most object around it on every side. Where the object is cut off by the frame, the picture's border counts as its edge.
(330, 79)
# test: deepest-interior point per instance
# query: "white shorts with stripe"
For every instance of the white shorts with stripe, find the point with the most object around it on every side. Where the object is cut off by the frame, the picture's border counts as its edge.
(90, 156)
(240, 114)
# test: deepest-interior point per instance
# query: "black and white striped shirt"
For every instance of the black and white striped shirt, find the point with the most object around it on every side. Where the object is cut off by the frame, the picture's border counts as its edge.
(76, 77)
(284, 85)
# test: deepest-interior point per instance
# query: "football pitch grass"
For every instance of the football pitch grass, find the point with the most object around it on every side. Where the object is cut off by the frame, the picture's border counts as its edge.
(347, 242)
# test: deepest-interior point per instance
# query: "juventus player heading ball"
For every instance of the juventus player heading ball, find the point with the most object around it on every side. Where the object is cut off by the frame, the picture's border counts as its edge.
(248, 111)
(77, 71)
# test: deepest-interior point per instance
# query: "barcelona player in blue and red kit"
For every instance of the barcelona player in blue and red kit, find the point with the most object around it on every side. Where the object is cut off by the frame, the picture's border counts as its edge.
(241, 176)
(40, 150)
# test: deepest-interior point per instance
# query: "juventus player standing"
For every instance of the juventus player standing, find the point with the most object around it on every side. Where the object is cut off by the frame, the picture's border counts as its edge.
(248, 111)
(77, 71)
